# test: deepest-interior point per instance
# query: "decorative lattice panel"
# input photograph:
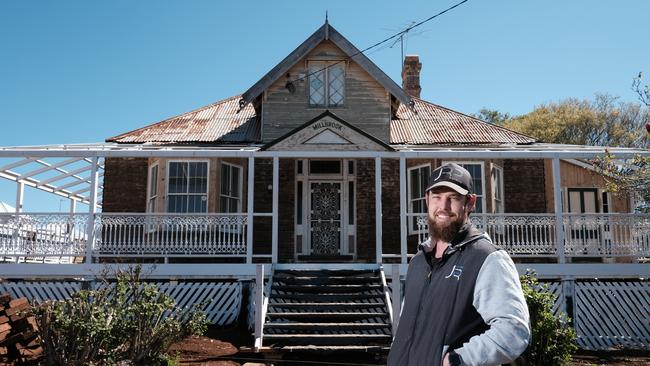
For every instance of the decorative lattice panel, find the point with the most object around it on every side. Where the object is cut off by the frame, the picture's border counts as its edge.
(40, 290)
(555, 289)
(221, 302)
(612, 314)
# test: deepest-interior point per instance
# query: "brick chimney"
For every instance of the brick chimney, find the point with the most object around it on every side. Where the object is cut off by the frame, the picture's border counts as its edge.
(411, 75)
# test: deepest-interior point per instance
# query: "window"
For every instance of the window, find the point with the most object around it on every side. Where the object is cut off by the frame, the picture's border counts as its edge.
(231, 188)
(497, 189)
(153, 188)
(418, 179)
(325, 167)
(475, 169)
(326, 84)
(187, 190)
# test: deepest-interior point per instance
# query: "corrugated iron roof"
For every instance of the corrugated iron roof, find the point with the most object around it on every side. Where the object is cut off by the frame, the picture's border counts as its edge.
(431, 124)
(427, 124)
(219, 122)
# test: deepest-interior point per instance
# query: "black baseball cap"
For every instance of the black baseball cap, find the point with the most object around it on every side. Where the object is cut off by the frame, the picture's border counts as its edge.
(453, 176)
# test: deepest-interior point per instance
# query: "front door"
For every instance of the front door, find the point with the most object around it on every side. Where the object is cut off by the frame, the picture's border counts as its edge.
(585, 231)
(325, 217)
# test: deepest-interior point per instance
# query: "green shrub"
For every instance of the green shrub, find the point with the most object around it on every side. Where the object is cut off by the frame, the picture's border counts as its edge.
(128, 320)
(553, 339)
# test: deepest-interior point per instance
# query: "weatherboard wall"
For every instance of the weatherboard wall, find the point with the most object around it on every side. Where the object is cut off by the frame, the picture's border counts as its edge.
(367, 103)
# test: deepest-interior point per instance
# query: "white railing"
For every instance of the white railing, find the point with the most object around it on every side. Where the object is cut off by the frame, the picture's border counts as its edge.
(211, 234)
(586, 235)
(42, 237)
(610, 235)
(60, 237)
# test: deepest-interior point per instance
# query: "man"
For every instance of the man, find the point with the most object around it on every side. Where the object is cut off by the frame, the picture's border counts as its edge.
(463, 303)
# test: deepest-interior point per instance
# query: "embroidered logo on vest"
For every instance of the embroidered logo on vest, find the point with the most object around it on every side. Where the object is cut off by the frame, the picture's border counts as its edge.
(456, 271)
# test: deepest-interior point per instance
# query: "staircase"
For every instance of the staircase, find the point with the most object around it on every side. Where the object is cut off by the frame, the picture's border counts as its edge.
(328, 310)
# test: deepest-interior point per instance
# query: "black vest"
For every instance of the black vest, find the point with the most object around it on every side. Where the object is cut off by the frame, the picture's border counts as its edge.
(438, 297)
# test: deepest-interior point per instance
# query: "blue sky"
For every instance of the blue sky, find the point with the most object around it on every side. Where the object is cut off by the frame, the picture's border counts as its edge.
(82, 71)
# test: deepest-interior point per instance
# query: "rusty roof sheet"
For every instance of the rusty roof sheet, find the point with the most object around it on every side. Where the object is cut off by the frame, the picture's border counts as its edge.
(216, 123)
(427, 124)
(431, 124)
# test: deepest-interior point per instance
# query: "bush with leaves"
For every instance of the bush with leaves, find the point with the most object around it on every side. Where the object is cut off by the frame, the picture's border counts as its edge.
(128, 320)
(553, 339)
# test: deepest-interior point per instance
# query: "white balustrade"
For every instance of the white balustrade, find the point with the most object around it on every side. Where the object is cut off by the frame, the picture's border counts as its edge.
(170, 235)
(607, 235)
(62, 237)
(42, 237)
(587, 235)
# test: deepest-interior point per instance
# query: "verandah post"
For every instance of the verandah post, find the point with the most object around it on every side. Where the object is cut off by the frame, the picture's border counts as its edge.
(92, 210)
(396, 289)
(274, 224)
(259, 305)
(559, 221)
(378, 228)
(402, 209)
(249, 208)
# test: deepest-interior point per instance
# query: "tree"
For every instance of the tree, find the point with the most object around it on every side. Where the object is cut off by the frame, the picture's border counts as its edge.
(642, 91)
(630, 177)
(492, 116)
(603, 121)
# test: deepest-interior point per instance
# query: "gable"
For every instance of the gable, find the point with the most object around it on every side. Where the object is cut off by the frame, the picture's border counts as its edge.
(324, 33)
(327, 132)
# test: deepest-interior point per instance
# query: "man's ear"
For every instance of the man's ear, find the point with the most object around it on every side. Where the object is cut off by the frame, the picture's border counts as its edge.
(426, 199)
(470, 204)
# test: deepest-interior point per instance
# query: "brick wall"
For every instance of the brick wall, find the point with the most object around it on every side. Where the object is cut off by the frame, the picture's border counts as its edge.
(524, 186)
(125, 185)
(263, 202)
(390, 206)
(366, 210)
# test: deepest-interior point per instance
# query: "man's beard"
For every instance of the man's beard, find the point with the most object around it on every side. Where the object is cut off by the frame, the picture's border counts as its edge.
(447, 231)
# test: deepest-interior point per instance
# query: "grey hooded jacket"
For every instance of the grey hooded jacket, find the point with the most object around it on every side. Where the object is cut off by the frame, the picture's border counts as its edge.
(470, 300)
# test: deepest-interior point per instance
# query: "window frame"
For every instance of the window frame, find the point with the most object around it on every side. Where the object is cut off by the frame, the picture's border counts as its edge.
(152, 192)
(207, 185)
(240, 189)
(412, 219)
(498, 191)
(314, 66)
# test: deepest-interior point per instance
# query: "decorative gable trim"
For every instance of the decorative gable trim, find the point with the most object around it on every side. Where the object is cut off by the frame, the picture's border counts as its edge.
(327, 137)
(325, 32)
(326, 132)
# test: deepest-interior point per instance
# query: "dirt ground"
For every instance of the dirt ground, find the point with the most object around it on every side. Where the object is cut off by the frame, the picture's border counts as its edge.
(221, 348)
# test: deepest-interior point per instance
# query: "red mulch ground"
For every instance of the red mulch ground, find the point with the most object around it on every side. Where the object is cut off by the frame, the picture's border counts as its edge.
(220, 347)
(203, 351)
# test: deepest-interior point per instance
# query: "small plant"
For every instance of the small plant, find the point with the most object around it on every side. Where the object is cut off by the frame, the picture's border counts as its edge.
(128, 320)
(553, 339)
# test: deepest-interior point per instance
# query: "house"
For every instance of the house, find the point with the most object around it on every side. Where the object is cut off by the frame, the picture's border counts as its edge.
(325, 96)
(321, 166)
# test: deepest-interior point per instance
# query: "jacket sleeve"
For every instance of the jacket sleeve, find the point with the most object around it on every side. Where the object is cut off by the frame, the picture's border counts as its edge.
(499, 300)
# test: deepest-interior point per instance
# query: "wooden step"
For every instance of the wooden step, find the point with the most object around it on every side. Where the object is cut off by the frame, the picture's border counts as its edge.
(327, 339)
(327, 297)
(327, 288)
(324, 348)
(325, 327)
(334, 280)
(343, 306)
(325, 317)
(327, 272)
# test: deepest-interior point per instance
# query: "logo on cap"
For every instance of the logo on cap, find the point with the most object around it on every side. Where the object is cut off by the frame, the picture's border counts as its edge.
(453, 176)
